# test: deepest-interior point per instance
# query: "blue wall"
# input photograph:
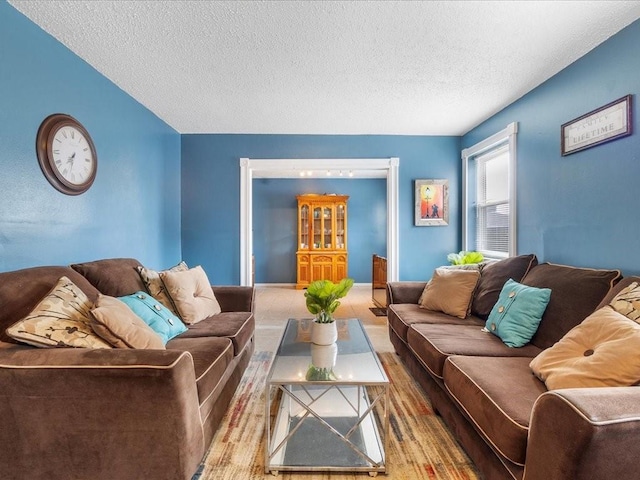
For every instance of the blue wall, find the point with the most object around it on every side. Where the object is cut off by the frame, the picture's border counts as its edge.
(211, 193)
(133, 207)
(275, 218)
(581, 209)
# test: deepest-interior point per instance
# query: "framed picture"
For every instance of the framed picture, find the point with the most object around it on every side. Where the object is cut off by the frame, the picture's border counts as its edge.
(598, 126)
(432, 203)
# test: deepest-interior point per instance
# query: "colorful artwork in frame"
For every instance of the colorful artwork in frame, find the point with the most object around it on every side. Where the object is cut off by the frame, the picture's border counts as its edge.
(431, 203)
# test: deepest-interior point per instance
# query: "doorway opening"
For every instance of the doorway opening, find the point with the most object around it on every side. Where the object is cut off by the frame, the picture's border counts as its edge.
(292, 168)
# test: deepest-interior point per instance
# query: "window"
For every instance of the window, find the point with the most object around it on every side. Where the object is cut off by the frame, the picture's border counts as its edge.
(489, 223)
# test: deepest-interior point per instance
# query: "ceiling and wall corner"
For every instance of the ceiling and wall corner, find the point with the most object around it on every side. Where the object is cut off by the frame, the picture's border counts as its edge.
(341, 67)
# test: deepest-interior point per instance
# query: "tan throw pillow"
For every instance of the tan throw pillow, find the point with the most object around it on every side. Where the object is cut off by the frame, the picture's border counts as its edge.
(60, 319)
(450, 291)
(191, 293)
(155, 287)
(627, 302)
(116, 323)
(602, 351)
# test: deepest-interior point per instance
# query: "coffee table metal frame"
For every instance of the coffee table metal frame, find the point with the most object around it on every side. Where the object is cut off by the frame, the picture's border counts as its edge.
(351, 395)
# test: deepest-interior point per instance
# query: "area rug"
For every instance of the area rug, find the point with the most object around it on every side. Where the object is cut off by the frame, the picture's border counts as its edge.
(378, 312)
(420, 446)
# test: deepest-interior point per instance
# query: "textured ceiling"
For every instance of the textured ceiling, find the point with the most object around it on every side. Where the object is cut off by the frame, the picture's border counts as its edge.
(423, 68)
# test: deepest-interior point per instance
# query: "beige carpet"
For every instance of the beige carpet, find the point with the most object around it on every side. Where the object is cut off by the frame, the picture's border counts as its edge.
(419, 447)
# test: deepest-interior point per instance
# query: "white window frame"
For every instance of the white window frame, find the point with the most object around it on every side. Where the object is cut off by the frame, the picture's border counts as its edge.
(507, 136)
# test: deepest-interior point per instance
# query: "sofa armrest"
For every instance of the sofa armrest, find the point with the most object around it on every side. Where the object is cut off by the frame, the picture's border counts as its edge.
(584, 433)
(99, 414)
(404, 292)
(234, 298)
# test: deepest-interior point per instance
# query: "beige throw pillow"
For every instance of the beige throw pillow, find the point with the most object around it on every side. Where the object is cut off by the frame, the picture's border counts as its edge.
(116, 323)
(191, 293)
(155, 287)
(450, 291)
(60, 319)
(602, 351)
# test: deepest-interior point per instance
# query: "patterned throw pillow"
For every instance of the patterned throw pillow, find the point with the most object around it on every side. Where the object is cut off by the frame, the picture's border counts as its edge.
(155, 287)
(627, 302)
(60, 319)
(191, 292)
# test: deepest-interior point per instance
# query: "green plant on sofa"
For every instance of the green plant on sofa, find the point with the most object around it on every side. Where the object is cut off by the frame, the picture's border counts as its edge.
(465, 258)
(322, 297)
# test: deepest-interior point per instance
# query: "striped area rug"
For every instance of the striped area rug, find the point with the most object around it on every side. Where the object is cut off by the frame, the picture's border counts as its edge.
(419, 447)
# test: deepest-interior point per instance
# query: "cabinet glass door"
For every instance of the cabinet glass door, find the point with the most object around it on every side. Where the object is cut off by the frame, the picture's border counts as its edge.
(317, 227)
(340, 226)
(326, 230)
(304, 227)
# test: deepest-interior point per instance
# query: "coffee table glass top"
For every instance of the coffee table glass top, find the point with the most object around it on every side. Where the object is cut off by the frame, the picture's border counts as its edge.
(354, 362)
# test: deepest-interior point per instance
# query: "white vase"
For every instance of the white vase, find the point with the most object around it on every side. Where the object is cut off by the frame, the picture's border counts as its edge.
(324, 356)
(324, 333)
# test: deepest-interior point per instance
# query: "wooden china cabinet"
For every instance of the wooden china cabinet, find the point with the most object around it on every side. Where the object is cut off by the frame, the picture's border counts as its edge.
(322, 238)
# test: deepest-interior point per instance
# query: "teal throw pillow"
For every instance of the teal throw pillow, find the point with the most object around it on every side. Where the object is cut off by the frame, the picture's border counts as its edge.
(155, 314)
(516, 316)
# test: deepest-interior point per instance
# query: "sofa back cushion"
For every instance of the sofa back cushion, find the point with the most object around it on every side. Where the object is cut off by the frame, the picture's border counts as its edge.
(493, 276)
(22, 290)
(575, 294)
(114, 277)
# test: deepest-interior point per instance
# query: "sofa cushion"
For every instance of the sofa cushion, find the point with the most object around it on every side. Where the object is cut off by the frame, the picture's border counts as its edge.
(627, 301)
(112, 276)
(155, 287)
(211, 357)
(60, 319)
(402, 315)
(21, 290)
(154, 314)
(603, 351)
(450, 291)
(498, 396)
(516, 315)
(493, 276)
(191, 293)
(433, 344)
(236, 326)
(116, 323)
(575, 294)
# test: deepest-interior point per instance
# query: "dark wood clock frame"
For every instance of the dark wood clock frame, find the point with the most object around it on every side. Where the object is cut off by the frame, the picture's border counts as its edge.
(44, 152)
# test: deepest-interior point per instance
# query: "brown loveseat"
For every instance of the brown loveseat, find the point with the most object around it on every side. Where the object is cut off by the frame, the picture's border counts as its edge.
(511, 426)
(88, 414)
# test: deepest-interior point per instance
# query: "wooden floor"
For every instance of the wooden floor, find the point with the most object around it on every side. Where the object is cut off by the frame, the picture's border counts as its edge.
(276, 304)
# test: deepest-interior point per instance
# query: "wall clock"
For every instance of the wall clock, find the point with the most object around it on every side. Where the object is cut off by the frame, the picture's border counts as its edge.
(66, 154)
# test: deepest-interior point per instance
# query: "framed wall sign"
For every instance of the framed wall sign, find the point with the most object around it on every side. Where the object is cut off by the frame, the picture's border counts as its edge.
(431, 203)
(598, 126)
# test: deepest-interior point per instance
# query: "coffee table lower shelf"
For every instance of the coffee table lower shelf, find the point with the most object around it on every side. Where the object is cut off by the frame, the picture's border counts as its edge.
(326, 426)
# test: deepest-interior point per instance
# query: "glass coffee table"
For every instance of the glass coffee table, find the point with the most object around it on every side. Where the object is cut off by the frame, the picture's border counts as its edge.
(330, 403)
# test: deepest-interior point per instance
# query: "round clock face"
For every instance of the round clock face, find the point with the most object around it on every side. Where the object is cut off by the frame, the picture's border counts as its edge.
(66, 154)
(72, 155)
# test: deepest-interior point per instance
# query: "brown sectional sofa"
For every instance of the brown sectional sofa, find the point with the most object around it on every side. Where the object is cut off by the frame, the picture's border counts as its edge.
(511, 426)
(76, 413)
